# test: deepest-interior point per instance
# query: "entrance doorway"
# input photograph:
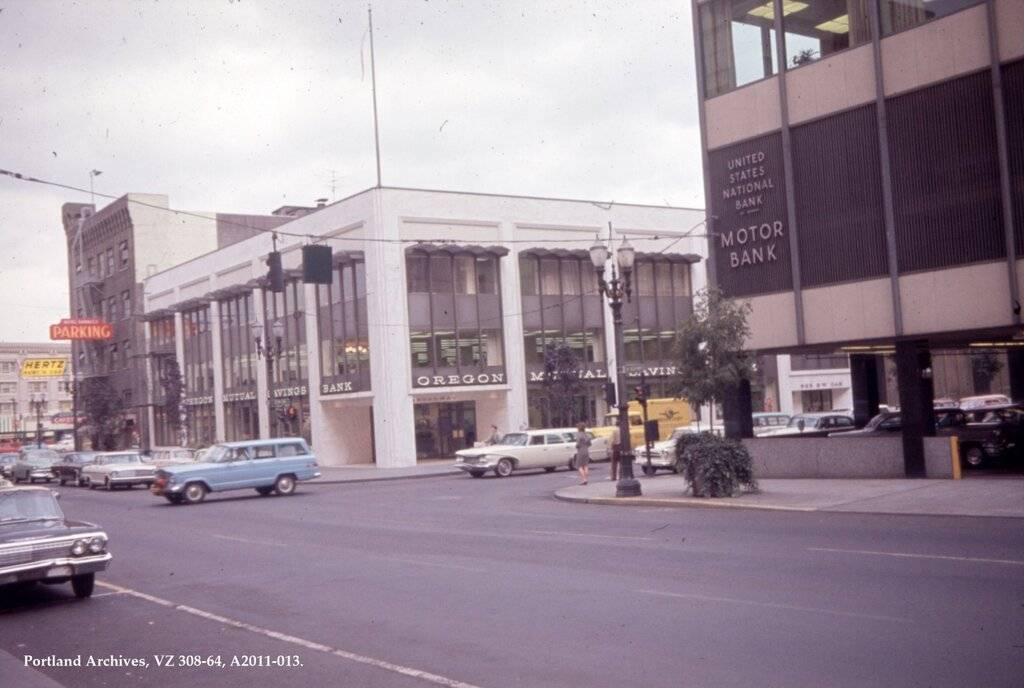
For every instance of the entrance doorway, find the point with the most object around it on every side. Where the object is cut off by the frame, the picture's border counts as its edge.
(443, 429)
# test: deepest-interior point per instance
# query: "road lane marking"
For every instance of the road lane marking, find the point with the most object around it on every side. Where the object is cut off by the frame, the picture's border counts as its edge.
(593, 535)
(908, 555)
(294, 640)
(248, 540)
(774, 605)
(438, 564)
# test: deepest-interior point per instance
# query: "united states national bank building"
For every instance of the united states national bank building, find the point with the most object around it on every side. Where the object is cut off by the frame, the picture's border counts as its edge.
(433, 328)
(864, 162)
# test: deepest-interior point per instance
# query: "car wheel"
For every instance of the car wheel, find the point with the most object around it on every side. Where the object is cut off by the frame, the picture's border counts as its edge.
(173, 498)
(285, 485)
(83, 584)
(477, 474)
(974, 457)
(648, 470)
(504, 468)
(107, 485)
(62, 481)
(194, 493)
(265, 491)
(549, 469)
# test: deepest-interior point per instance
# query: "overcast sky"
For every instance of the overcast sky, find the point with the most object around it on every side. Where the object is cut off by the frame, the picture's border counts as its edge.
(246, 105)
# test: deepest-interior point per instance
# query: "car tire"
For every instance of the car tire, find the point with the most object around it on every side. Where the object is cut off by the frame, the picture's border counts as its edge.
(62, 481)
(974, 457)
(549, 469)
(648, 470)
(477, 474)
(265, 490)
(107, 485)
(193, 493)
(83, 584)
(285, 485)
(173, 498)
(504, 468)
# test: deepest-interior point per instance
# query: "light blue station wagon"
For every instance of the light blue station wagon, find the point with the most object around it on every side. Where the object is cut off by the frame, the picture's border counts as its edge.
(264, 465)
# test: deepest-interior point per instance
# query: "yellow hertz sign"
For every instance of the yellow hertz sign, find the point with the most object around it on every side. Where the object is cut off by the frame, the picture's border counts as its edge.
(43, 367)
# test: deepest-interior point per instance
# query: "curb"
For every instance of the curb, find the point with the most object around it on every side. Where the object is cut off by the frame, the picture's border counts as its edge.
(332, 481)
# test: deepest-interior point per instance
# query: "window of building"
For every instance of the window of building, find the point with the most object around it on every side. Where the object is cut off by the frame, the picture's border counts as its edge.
(112, 308)
(816, 400)
(900, 15)
(287, 311)
(122, 249)
(8, 367)
(91, 263)
(237, 343)
(819, 362)
(99, 265)
(342, 324)
(110, 261)
(816, 28)
(161, 332)
(37, 387)
(63, 386)
(198, 373)
(78, 262)
(455, 328)
(661, 300)
(126, 304)
(64, 406)
(126, 353)
(8, 388)
(738, 42)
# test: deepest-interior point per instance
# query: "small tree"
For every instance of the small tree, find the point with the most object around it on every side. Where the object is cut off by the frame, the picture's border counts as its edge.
(173, 385)
(562, 381)
(709, 348)
(103, 407)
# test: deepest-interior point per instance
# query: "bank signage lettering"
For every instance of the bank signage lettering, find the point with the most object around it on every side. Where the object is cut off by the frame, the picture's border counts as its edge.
(336, 387)
(197, 401)
(601, 374)
(459, 380)
(239, 396)
(293, 391)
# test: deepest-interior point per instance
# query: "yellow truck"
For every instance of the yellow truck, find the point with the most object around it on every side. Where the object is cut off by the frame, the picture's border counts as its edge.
(669, 413)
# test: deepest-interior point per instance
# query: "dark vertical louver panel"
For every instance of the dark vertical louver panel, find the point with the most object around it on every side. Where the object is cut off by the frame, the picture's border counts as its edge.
(838, 182)
(1013, 97)
(945, 165)
(749, 229)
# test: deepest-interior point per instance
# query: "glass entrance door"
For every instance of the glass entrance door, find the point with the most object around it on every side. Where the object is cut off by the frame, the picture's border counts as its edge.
(443, 429)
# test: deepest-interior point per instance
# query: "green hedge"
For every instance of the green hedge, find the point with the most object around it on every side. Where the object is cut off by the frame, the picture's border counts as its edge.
(715, 466)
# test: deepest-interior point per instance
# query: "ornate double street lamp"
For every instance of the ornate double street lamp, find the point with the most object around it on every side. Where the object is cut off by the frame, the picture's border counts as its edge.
(271, 351)
(616, 289)
(39, 404)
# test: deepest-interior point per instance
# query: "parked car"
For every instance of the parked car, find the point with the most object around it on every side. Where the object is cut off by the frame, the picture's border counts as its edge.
(37, 543)
(69, 468)
(984, 401)
(547, 449)
(663, 454)
(7, 461)
(819, 424)
(170, 456)
(267, 466)
(992, 435)
(947, 422)
(34, 464)
(112, 469)
(767, 422)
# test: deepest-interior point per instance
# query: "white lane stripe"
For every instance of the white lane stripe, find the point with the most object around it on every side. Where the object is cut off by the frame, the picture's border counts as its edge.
(419, 562)
(593, 535)
(283, 637)
(775, 605)
(908, 555)
(247, 540)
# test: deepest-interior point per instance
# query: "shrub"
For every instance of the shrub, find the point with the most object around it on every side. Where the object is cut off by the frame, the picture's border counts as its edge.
(714, 466)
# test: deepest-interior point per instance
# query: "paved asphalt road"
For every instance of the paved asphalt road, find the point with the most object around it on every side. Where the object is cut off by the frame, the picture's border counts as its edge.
(453, 581)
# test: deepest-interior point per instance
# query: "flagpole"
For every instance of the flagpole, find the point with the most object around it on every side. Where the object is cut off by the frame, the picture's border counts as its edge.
(373, 83)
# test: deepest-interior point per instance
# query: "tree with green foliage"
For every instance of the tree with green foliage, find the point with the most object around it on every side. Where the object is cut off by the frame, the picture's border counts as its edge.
(709, 349)
(103, 407)
(562, 382)
(170, 380)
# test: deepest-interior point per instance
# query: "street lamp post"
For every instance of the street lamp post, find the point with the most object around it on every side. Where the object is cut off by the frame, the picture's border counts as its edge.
(39, 403)
(615, 290)
(271, 351)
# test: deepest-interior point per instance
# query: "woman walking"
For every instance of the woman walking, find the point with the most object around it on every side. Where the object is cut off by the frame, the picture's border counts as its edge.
(583, 452)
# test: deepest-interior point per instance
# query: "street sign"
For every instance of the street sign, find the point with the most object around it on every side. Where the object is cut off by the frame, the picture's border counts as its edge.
(43, 367)
(82, 329)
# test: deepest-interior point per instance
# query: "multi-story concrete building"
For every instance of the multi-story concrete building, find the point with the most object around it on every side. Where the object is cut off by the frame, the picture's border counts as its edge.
(31, 399)
(433, 329)
(110, 252)
(864, 166)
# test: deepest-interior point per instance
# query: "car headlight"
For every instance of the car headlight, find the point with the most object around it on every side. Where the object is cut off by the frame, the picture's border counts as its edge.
(80, 547)
(97, 544)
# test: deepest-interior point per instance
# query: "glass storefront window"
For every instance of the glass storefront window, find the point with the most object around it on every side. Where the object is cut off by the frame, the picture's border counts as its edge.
(288, 310)
(900, 15)
(237, 346)
(198, 373)
(528, 276)
(342, 326)
(822, 27)
(738, 42)
(662, 300)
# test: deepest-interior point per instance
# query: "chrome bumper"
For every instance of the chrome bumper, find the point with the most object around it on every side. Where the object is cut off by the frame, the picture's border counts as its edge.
(468, 467)
(62, 567)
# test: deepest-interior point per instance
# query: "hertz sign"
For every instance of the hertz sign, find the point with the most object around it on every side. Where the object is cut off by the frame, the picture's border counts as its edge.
(82, 330)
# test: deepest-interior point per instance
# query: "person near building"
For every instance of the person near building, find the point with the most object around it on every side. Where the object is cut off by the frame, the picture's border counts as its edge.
(583, 452)
(615, 440)
(495, 435)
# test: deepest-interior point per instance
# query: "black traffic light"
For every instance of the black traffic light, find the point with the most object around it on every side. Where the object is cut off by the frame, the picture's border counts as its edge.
(275, 273)
(640, 394)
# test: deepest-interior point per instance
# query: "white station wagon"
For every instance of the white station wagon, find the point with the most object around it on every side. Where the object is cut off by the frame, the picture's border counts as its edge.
(516, 451)
(111, 469)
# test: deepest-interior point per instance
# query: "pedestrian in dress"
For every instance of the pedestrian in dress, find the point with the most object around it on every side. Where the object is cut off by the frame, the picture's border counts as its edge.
(616, 443)
(583, 452)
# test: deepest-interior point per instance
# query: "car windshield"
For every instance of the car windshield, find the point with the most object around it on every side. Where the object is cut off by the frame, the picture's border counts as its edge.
(803, 421)
(120, 458)
(514, 439)
(218, 453)
(47, 456)
(28, 505)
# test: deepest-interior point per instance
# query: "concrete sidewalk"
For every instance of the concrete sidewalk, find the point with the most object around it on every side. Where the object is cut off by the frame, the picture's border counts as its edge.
(996, 497)
(368, 472)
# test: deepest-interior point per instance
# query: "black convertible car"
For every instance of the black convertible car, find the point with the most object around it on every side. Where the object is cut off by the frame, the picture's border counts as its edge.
(38, 544)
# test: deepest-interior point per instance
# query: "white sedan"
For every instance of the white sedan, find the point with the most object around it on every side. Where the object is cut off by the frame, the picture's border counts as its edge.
(547, 449)
(111, 469)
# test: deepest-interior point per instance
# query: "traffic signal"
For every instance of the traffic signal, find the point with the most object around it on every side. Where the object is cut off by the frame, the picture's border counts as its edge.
(640, 394)
(275, 273)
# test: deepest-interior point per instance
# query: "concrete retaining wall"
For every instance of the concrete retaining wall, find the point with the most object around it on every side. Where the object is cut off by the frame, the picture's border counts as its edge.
(835, 457)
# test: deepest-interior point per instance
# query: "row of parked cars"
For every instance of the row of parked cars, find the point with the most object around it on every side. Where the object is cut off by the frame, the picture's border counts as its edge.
(105, 470)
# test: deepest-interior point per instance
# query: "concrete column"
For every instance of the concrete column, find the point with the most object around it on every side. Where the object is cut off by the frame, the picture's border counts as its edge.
(914, 376)
(1015, 368)
(217, 351)
(784, 364)
(864, 382)
(179, 355)
(738, 409)
(517, 414)
(394, 426)
(316, 418)
(262, 382)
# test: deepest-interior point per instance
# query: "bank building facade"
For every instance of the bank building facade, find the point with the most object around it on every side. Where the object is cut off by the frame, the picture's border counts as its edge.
(433, 327)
